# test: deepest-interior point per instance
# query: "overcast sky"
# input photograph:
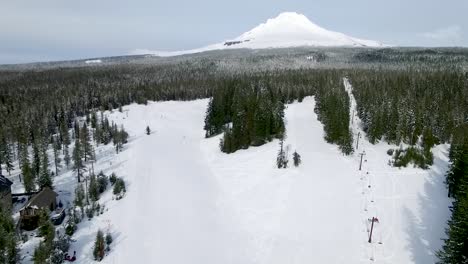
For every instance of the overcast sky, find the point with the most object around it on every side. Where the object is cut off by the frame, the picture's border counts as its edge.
(56, 29)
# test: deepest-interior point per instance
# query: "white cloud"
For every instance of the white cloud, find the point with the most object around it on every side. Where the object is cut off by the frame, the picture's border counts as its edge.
(450, 33)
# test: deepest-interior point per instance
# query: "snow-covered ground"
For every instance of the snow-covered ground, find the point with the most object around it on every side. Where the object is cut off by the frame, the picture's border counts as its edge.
(187, 202)
(93, 61)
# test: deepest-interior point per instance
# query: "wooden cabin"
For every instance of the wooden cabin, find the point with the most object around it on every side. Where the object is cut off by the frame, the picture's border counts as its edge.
(5, 193)
(46, 199)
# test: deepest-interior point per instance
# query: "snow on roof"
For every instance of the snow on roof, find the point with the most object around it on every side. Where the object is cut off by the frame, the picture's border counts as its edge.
(42, 199)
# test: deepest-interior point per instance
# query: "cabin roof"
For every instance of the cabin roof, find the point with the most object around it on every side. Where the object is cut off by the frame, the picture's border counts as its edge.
(42, 199)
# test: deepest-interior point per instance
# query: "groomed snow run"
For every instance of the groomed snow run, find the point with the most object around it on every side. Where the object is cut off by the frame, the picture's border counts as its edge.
(187, 202)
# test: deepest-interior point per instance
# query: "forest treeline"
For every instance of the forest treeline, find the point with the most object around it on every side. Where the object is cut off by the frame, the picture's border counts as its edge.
(416, 107)
(250, 109)
(455, 249)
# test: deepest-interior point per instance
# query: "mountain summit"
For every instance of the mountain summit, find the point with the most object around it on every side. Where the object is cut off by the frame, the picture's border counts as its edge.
(291, 29)
(288, 29)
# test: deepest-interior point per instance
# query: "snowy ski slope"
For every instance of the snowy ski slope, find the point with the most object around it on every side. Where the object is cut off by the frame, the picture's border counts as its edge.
(187, 202)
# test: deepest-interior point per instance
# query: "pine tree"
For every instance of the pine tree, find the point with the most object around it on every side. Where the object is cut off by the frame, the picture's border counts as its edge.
(28, 178)
(99, 246)
(94, 119)
(56, 149)
(76, 130)
(120, 137)
(65, 136)
(79, 195)
(66, 157)
(93, 188)
(455, 249)
(86, 145)
(8, 243)
(78, 164)
(282, 159)
(296, 158)
(44, 179)
(8, 156)
(36, 161)
(148, 130)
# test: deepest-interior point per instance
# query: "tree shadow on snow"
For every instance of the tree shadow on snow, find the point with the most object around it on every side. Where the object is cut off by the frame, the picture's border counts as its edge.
(425, 233)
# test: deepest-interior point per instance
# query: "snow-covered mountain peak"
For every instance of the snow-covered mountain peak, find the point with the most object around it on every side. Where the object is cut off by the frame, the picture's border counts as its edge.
(285, 23)
(288, 29)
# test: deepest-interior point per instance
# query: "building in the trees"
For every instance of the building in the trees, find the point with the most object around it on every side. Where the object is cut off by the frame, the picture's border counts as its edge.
(5, 193)
(46, 199)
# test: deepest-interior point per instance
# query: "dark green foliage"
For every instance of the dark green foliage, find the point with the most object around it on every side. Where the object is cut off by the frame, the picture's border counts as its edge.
(70, 228)
(254, 111)
(8, 247)
(120, 137)
(28, 178)
(6, 154)
(42, 253)
(46, 230)
(332, 108)
(99, 246)
(87, 147)
(44, 177)
(119, 186)
(97, 185)
(419, 157)
(78, 164)
(93, 188)
(455, 249)
(401, 105)
(458, 170)
(56, 150)
(36, 161)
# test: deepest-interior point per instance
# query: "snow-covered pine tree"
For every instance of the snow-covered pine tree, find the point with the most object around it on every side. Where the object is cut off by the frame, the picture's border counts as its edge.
(282, 159)
(456, 243)
(296, 159)
(44, 179)
(8, 158)
(78, 164)
(86, 145)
